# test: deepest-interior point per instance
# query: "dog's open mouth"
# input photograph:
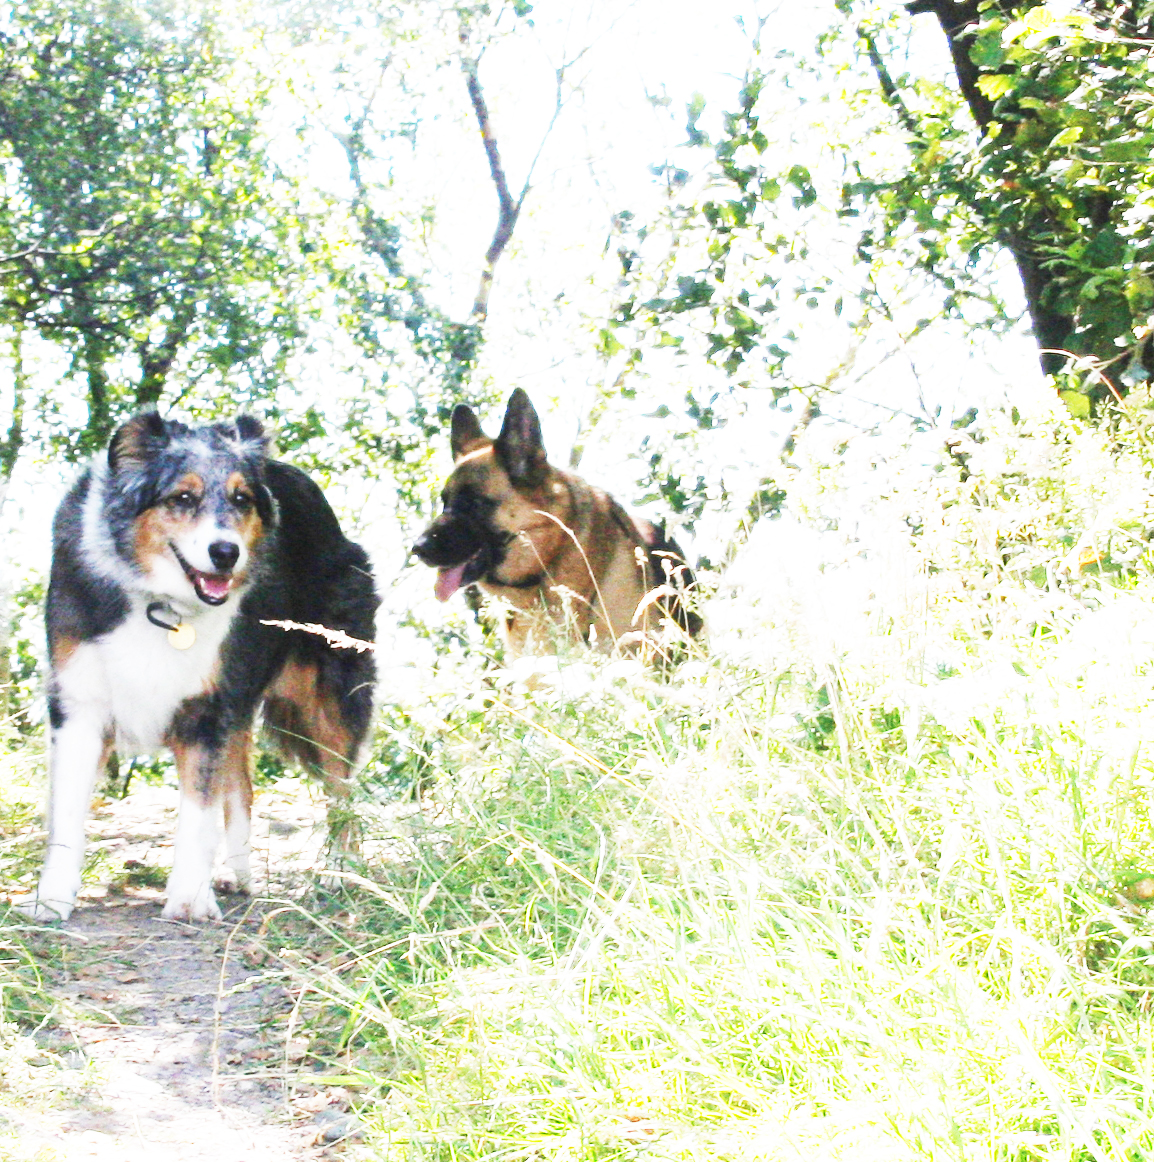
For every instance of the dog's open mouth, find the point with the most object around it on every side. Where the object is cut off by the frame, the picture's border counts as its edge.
(211, 588)
(451, 579)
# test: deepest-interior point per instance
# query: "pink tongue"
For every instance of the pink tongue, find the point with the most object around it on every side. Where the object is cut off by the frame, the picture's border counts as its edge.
(449, 581)
(214, 586)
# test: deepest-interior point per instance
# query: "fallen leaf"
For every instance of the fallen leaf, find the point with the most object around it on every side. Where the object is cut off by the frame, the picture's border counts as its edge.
(313, 1104)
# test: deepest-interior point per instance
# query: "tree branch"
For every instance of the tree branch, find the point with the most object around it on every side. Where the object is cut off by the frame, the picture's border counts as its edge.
(889, 89)
(156, 361)
(956, 17)
(508, 210)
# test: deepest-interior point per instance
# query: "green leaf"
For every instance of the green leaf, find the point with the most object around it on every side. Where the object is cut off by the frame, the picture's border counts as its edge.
(1140, 290)
(1137, 149)
(1077, 404)
(1105, 250)
(995, 85)
(986, 51)
(607, 344)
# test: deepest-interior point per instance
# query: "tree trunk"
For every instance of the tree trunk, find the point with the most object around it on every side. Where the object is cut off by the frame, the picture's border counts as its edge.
(98, 430)
(156, 361)
(1052, 329)
(10, 448)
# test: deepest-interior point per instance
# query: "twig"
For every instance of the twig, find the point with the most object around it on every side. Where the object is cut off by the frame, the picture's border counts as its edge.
(889, 89)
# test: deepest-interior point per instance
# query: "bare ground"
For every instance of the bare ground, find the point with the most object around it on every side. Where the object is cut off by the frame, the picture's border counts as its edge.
(173, 1047)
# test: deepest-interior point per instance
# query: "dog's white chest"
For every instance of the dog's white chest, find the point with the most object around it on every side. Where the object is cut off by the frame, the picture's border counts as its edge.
(134, 679)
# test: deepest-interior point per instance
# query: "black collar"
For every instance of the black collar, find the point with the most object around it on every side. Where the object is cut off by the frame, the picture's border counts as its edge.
(534, 582)
(162, 615)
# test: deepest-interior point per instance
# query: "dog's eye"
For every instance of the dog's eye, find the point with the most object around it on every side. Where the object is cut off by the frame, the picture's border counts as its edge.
(464, 503)
(241, 501)
(184, 501)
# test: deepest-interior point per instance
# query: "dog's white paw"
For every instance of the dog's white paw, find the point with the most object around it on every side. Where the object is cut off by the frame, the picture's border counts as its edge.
(196, 904)
(54, 900)
(234, 880)
(44, 909)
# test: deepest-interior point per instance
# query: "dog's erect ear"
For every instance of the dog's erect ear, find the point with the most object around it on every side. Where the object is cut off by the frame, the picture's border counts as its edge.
(464, 429)
(249, 430)
(519, 445)
(137, 441)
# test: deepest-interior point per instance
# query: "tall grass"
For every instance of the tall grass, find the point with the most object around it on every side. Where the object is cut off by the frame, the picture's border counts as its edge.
(877, 888)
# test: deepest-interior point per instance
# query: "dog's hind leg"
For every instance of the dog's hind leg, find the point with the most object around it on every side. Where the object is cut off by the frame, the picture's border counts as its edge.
(237, 781)
(307, 720)
(80, 747)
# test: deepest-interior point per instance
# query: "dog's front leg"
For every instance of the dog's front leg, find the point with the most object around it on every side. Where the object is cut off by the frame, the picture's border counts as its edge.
(190, 894)
(79, 747)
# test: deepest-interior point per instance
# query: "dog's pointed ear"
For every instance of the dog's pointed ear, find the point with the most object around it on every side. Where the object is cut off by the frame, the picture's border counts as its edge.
(137, 441)
(464, 429)
(519, 445)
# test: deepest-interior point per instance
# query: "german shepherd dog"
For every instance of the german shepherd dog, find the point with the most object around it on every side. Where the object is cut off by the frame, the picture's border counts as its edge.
(555, 549)
(168, 555)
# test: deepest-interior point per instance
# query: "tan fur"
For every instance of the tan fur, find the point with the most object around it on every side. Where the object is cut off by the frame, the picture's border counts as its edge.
(236, 775)
(303, 724)
(294, 704)
(191, 773)
(207, 782)
(583, 542)
(248, 524)
(61, 647)
(159, 525)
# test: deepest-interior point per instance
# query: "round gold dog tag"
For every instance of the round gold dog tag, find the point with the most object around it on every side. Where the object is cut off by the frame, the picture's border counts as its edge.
(182, 636)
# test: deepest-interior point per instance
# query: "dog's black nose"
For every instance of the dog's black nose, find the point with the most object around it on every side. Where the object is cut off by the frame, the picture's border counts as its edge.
(423, 545)
(223, 554)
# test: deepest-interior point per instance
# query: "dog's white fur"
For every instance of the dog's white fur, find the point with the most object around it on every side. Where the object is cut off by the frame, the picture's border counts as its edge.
(129, 683)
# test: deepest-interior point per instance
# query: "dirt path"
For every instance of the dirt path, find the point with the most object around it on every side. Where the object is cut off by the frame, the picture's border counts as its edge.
(175, 1049)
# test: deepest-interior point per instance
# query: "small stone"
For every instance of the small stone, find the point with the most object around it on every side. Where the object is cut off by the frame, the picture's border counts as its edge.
(334, 1126)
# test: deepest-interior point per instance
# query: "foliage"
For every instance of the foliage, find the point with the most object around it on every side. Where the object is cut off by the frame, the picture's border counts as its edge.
(144, 228)
(1061, 96)
(395, 72)
(1039, 154)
